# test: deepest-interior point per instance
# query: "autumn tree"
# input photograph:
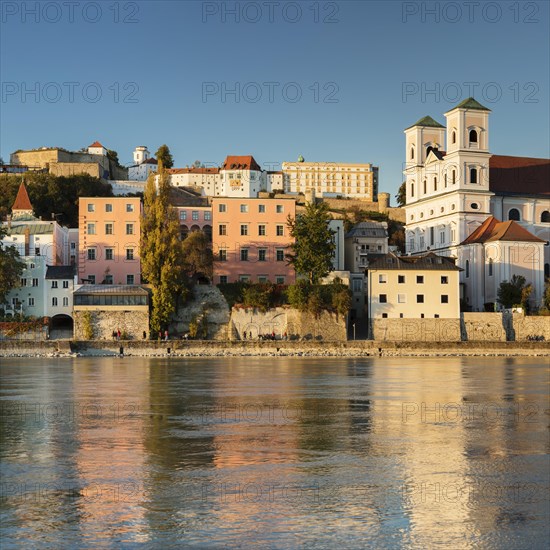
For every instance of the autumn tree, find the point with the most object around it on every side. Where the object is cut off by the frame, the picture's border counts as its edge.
(164, 156)
(11, 267)
(313, 248)
(197, 254)
(162, 260)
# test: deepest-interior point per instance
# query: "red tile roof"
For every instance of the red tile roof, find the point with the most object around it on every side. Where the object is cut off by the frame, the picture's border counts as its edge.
(150, 161)
(96, 144)
(495, 230)
(22, 201)
(519, 175)
(240, 163)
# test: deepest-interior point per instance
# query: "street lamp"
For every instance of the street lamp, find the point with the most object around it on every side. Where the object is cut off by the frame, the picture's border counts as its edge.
(354, 331)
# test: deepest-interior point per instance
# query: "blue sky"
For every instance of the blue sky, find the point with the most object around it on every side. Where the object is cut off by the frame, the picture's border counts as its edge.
(332, 81)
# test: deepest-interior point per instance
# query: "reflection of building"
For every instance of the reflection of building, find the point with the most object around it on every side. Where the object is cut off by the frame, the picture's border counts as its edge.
(251, 239)
(417, 286)
(330, 179)
(452, 192)
(109, 236)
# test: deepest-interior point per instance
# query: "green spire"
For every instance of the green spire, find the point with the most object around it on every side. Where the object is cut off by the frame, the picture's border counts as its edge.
(471, 103)
(428, 122)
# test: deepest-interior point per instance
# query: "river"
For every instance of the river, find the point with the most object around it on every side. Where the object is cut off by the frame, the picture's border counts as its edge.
(274, 453)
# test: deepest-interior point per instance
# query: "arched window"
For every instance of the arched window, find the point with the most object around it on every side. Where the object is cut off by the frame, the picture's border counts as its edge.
(435, 184)
(412, 189)
(473, 175)
(545, 217)
(513, 214)
(473, 136)
(453, 139)
(425, 187)
(453, 178)
(467, 268)
(412, 153)
(490, 267)
(445, 180)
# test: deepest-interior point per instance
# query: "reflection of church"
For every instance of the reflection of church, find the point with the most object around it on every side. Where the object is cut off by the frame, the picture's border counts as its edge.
(491, 212)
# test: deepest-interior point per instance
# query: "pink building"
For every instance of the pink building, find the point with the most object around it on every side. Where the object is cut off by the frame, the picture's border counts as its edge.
(195, 218)
(251, 239)
(109, 233)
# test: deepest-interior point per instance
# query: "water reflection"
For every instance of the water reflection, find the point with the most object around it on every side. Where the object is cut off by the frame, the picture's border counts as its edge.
(282, 453)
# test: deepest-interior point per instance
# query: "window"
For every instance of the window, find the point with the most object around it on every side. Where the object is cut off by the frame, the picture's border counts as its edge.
(54, 284)
(108, 207)
(91, 229)
(445, 180)
(35, 282)
(545, 217)
(244, 278)
(54, 301)
(420, 298)
(279, 209)
(435, 184)
(108, 229)
(473, 136)
(444, 280)
(91, 207)
(31, 302)
(262, 278)
(262, 254)
(420, 279)
(108, 279)
(401, 279)
(280, 280)
(453, 137)
(222, 208)
(207, 216)
(244, 208)
(109, 253)
(244, 229)
(432, 236)
(129, 229)
(22, 282)
(444, 298)
(384, 315)
(244, 254)
(490, 267)
(37, 251)
(129, 207)
(280, 230)
(261, 208)
(412, 153)
(280, 255)
(467, 268)
(129, 279)
(195, 215)
(222, 255)
(91, 254)
(183, 215)
(473, 175)
(401, 298)
(91, 279)
(442, 237)
(129, 253)
(513, 214)
(425, 187)
(383, 298)
(65, 301)
(261, 230)
(222, 229)
(382, 279)
(412, 189)
(223, 279)
(453, 177)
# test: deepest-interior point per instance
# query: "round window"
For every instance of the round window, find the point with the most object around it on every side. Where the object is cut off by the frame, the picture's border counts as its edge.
(452, 206)
(442, 209)
(421, 214)
(412, 216)
(474, 206)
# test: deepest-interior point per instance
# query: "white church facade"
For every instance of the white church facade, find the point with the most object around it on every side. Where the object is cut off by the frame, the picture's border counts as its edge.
(454, 184)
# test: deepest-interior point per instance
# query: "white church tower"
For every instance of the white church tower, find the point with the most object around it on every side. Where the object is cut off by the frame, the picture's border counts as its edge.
(141, 154)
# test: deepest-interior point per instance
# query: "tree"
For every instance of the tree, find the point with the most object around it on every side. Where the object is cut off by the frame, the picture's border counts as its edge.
(162, 262)
(113, 155)
(313, 248)
(11, 267)
(514, 292)
(401, 196)
(197, 254)
(163, 155)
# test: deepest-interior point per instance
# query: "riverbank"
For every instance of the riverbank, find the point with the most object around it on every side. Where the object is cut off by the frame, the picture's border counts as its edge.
(365, 348)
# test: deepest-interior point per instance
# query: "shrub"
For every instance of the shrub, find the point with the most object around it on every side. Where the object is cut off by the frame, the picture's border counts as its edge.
(87, 326)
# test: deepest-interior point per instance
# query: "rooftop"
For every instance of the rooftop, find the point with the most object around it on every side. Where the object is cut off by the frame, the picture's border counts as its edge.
(424, 262)
(127, 290)
(22, 201)
(472, 104)
(96, 144)
(427, 122)
(34, 228)
(368, 229)
(240, 163)
(493, 229)
(519, 175)
(60, 272)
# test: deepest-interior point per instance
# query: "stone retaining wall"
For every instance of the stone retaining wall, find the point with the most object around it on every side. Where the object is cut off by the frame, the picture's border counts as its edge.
(133, 323)
(524, 327)
(416, 330)
(481, 327)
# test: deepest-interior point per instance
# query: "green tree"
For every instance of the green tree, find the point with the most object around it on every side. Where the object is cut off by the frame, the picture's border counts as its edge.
(197, 252)
(401, 196)
(313, 246)
(11, 267)
(341, 299)
(113, 155)
(162, 262)
(510, 293)
(163, 155)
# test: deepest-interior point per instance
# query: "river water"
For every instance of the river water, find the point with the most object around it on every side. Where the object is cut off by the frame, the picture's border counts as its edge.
(275, 453)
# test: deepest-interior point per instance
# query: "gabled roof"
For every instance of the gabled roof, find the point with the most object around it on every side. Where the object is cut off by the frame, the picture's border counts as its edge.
(96, 144)
(150, 161)
(429, 261)
(60, 272)
(22, 201)
(472, 104)
(427, 122)
(493, 229)
(240, 163)
(519, 175)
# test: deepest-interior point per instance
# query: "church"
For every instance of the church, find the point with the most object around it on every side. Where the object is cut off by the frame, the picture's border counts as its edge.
(490, 212)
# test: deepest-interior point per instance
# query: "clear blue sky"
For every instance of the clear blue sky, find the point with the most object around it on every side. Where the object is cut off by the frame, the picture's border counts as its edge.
(376, 61)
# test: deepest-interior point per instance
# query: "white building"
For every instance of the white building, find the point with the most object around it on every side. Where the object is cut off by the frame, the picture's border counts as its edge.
(454, 183)
(59, 286)
(97, 149)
